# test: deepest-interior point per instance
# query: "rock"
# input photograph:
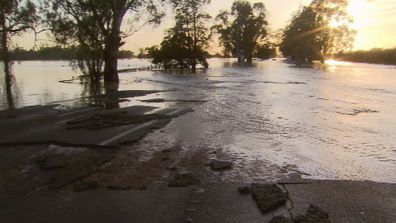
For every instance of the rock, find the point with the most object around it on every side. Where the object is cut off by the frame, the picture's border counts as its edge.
(83, 186)
(244, 190)
(220, 165)
(54, 162)
(268, 196)
(314, 214)
(280, 219)
(184, 180)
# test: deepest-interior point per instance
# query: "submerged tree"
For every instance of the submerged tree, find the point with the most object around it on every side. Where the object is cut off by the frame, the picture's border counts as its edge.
(95, 26)
(242, 29)
(16, 17)
(265, 51)
(318, 30)
(184, 45)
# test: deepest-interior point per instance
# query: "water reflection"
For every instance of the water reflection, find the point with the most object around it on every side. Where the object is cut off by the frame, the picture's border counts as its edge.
(96, 93)
(39, 82)
(8, 85)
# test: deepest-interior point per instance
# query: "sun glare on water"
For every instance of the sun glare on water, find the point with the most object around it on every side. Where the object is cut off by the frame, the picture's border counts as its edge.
(332, 62)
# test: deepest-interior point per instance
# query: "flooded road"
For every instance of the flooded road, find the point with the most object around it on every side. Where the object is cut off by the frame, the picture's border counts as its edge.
(272, 120)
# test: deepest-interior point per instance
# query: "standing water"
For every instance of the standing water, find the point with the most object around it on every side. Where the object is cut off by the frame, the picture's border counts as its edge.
(270, 118)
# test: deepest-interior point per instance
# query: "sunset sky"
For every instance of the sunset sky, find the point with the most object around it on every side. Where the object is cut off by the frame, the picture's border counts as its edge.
(375, 23)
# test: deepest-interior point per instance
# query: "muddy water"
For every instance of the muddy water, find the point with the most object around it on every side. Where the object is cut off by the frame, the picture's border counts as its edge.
(271, 119)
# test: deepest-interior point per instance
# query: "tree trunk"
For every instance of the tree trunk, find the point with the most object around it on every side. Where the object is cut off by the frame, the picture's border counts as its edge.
(194, 67)
(241, 58)
(110, 89)
(110, 60)
(112, 46)
(249, 59)
(249, 55)
(6, 62)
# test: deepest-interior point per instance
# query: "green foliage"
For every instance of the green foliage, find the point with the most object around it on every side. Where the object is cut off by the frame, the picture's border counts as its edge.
(265, 51)
(44, 53)
(242, 29)
(318, 30)
(94, 27)
(378, 56)
(19, 15)
(125, 54)
(55, 53)
(184, 45)
(16, 16)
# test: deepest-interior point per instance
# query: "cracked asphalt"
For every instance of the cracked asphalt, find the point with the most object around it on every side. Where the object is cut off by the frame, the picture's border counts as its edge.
(344, 201)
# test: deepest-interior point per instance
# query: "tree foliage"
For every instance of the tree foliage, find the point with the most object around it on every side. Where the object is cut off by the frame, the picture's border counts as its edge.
(16, 17)
(54, 53)
(95, 27)
(318, 30)
(184, 45)
(265, 51)
(242, 28)
(378, 56)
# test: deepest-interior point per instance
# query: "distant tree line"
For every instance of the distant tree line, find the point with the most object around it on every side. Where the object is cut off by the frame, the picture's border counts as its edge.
(55, 53)
(378, 56)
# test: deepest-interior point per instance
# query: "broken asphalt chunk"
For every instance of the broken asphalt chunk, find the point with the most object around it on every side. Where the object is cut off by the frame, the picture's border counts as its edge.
(268, 196)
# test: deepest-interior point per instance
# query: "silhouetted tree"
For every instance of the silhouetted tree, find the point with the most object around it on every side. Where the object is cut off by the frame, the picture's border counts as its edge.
(95, 26)
(16, 16)
(242, 29)
(184, 45)
(318, 30)
(265, 51)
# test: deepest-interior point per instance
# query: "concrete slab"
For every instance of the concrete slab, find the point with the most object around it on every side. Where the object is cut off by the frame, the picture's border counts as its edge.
(47, 125)
(129, 93)
(352, 202)
(346, 201)
(221, 202)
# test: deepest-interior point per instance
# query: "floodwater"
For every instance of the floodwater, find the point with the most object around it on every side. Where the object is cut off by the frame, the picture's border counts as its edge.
(271, 119)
